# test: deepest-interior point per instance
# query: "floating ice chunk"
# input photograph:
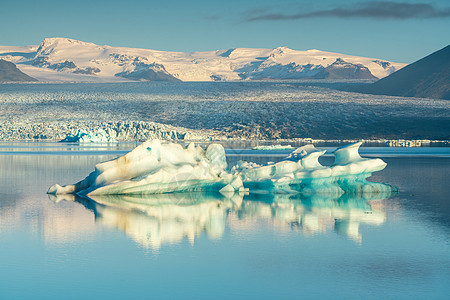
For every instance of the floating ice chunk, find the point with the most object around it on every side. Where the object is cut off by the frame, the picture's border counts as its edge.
(244, 165)
(301, 152)
(347, 154)
(156, 167)
(98, 136)
(348, 161)
(303, 165)
(215, 154)
(311, 160)
(273, 147)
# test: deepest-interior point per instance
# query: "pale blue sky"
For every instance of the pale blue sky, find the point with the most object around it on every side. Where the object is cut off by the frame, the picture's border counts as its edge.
(401, 31)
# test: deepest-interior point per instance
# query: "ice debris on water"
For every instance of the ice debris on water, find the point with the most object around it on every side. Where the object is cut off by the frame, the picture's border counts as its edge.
(274, 147)
(164, 167)
(98, 136)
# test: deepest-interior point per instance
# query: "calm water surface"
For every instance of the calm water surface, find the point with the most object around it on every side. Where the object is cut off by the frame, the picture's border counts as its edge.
(201, 247)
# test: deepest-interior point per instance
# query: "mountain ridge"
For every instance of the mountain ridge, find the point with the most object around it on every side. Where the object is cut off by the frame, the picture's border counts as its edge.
(428, 77)
(71, 60)
(10, 73)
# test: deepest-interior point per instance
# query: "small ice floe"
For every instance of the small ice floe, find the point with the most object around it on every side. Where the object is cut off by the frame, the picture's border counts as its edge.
(273, 147)
(408, 143)
(98, 136)
(164, 167)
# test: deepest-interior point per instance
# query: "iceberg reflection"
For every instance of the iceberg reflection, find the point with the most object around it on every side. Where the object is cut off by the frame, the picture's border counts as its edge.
(311, 208)
(153, 220)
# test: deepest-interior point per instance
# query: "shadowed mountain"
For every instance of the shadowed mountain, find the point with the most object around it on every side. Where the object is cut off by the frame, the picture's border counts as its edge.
(428, 77)
(10, 73)
(148, 72)
(341, 69)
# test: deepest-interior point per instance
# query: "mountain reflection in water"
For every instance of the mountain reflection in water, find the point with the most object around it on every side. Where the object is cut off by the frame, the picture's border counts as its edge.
(316, 207)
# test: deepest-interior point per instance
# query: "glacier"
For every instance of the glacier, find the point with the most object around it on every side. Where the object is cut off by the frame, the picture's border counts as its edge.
(156, 167)
(216, 111)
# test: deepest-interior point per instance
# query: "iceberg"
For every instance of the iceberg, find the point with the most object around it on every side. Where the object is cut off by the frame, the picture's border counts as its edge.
(98, 136)
(154, 168)
(157, 167)
(302, 169)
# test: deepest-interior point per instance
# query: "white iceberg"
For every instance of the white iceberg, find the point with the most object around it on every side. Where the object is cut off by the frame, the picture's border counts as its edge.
(302, 166)
(155, 167)
(98, 136)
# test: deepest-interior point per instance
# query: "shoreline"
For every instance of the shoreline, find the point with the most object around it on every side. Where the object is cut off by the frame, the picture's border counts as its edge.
(56, 131)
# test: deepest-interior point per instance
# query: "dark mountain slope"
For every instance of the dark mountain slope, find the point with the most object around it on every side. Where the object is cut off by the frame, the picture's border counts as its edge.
(428, 77)
(341, 69)
(10, 73)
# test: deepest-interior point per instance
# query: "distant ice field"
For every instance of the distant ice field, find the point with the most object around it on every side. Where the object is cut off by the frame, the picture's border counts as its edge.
(248, 110)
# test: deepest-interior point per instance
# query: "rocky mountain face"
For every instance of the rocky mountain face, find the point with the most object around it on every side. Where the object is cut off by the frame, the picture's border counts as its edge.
(10, 73)
(147, 72)
(428, 77)
(74, 60)
(341, 69)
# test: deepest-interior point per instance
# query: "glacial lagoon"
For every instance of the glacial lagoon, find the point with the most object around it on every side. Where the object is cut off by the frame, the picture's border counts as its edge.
(204, 246)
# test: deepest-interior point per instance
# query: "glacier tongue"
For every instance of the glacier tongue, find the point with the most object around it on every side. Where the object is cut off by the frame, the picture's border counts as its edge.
(155, 167)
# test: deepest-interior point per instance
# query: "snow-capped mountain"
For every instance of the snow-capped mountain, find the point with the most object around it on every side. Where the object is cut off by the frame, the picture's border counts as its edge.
(62, 59)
